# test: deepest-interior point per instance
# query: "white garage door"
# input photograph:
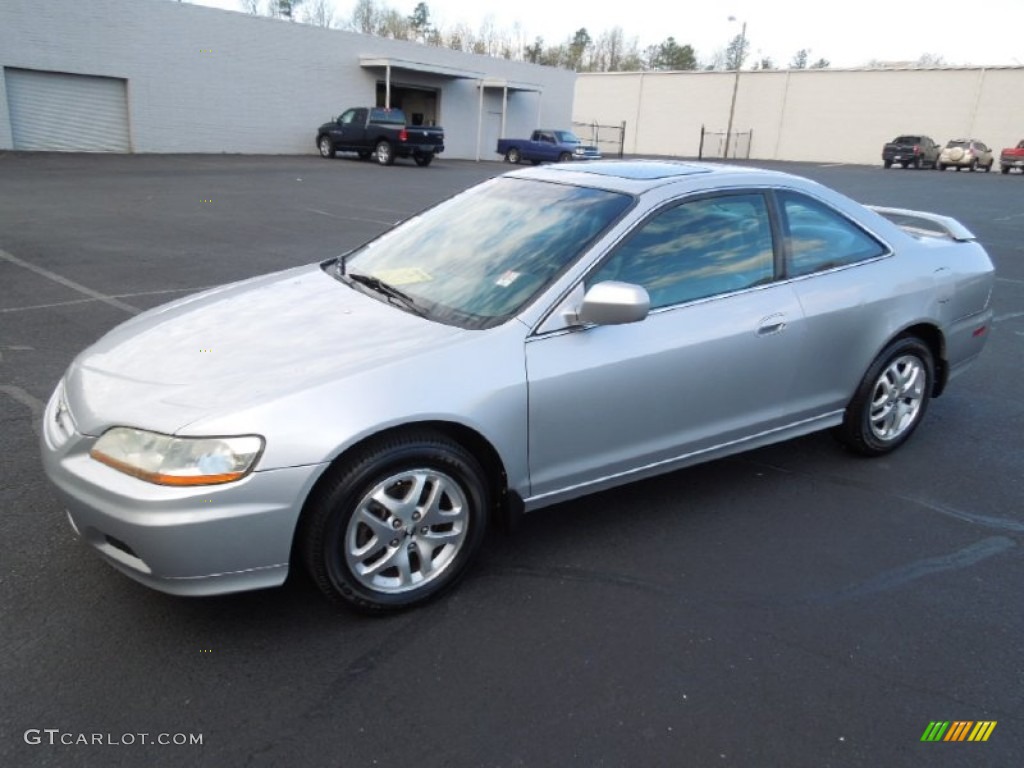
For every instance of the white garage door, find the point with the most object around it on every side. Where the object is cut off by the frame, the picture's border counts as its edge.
(70, 113)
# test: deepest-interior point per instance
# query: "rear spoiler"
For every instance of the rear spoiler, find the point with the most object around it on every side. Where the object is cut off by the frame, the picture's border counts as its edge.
(924, 223)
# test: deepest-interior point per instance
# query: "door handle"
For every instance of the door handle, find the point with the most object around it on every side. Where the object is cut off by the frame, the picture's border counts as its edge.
(771, 325)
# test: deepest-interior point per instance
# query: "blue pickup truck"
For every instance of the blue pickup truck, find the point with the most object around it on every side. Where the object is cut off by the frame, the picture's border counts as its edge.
(549, 146)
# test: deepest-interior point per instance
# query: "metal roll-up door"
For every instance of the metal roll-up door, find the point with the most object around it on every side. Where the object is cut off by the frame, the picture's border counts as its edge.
(55, 111)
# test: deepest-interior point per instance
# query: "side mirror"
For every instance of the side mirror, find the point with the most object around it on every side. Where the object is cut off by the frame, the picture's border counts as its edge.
(614, 303)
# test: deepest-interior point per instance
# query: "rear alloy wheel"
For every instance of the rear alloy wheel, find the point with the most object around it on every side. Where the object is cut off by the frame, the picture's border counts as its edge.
(891, 400)
(513, 156)
(326, 147)
(385, 154)
(423, 160)
(398, 523)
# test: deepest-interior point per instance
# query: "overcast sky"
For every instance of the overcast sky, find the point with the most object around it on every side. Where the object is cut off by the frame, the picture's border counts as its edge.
(848, 34)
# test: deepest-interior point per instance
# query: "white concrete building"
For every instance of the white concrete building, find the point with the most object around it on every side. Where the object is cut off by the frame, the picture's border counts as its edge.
(820, 115)
(160, 76)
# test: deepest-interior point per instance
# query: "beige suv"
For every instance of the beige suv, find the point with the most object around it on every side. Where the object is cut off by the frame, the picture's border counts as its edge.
(965, 153)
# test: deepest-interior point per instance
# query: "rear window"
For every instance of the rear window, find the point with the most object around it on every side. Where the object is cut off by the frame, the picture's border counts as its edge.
(907, 140)
(390, 116)
(958, 143)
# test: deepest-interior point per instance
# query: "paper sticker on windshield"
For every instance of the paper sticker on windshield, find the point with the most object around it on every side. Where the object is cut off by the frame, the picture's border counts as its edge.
(404, 276)
(508, 278)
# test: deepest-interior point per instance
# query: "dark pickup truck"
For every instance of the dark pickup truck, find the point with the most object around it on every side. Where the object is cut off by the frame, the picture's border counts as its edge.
(379, 132)
(911, 151)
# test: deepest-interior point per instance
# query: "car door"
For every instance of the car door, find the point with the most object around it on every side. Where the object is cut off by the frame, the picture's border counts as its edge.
(849, 291)
(711, 364)
(351, 129)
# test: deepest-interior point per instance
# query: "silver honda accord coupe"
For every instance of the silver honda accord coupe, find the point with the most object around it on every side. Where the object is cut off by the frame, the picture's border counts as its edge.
(546, 334)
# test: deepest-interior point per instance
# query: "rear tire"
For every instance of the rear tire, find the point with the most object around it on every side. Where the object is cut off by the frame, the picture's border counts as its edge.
(513, 156)
(385, 153)
(891, 399)
(887, 163)
(423, 160)
(940, 166)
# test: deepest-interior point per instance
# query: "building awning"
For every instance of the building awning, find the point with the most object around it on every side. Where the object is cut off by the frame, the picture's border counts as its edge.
(440, 70)
(510, 85)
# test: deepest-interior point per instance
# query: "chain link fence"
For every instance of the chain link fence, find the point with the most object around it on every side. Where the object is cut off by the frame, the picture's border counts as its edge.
(713, 144)
(610, 139)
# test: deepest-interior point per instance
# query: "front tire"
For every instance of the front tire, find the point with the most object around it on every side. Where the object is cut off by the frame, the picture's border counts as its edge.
(326, 147)
(891, 399)
(397, 523)
(565, 157)
(385, 153)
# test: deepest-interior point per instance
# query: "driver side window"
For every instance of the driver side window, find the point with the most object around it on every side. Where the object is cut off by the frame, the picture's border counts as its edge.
(697, 249)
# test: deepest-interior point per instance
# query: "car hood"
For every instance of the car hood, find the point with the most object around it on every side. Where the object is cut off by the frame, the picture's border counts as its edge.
(238, 346)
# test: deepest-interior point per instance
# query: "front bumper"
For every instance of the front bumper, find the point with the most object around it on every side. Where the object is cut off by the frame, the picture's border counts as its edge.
(201, 540)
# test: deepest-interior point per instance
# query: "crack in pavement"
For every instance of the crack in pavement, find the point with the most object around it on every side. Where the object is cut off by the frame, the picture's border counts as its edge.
(34, 404)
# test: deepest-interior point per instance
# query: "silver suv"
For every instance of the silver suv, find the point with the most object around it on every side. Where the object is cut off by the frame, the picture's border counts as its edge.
(966, 153)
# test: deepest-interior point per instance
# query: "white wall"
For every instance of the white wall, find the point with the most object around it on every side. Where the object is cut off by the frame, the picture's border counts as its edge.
(814, 115)
(205, 80)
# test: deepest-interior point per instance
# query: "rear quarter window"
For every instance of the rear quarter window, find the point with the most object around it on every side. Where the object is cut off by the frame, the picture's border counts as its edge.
(819, 238)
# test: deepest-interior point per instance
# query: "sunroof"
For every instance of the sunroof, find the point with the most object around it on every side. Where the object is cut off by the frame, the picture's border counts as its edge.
(637, 171)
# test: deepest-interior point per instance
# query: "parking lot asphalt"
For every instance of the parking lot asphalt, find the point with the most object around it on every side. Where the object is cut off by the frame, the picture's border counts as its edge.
(793, 606)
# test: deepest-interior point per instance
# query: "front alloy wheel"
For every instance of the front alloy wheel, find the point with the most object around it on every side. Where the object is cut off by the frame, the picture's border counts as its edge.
(326, 147)
(397, 523)
(891, 400)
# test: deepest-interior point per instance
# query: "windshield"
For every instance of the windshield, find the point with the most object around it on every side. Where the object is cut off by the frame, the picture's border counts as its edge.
(567, 137)
(480, 257)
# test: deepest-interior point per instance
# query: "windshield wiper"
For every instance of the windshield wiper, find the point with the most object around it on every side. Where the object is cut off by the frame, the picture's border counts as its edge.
(386, 289)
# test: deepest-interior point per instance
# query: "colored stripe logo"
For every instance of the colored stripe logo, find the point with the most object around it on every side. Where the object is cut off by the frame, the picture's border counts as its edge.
(958, 730)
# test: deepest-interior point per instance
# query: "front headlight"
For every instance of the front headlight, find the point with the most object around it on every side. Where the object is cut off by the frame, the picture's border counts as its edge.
(169, 460)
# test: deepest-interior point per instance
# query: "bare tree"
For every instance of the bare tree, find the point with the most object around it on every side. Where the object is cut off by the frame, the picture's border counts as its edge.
(931, 60)
(252, 7)
(736, 52)
(319, 13)
(367, 16)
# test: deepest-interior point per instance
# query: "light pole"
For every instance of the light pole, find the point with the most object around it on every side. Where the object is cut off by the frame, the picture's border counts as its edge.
(735, 83)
